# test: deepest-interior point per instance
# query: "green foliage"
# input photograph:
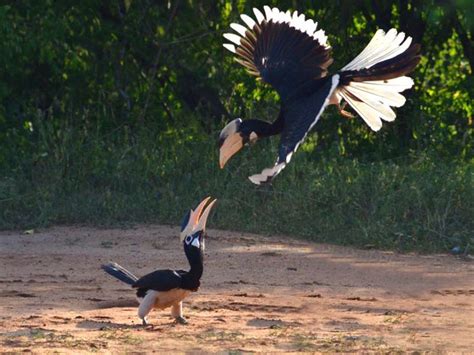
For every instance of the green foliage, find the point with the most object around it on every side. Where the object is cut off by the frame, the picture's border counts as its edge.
(418, 202)
(109, 111)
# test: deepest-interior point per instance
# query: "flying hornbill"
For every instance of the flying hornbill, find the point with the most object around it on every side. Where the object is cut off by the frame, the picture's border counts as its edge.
(168, 288)
(285, 51)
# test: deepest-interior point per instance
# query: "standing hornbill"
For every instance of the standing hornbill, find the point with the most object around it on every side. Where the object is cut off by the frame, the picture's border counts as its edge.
(285, 51)
(168, 288)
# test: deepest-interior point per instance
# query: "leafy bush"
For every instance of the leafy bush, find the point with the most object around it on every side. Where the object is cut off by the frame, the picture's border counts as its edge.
(418, 202)
(109, 112)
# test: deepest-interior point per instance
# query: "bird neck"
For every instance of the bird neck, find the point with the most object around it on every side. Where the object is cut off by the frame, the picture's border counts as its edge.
(196, 271)
(262, 128)
(196, 262)
(191, 280)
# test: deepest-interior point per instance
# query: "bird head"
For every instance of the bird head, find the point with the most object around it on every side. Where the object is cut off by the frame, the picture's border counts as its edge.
(193, 227)
(233, 137)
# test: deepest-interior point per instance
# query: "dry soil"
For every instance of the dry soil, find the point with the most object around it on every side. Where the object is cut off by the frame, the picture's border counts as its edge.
(265, 294)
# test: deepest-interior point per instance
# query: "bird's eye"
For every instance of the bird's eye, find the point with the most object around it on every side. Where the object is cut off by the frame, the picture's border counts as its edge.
(188, 239)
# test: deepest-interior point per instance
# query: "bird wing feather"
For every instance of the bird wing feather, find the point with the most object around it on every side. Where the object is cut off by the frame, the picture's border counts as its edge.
(284, 49)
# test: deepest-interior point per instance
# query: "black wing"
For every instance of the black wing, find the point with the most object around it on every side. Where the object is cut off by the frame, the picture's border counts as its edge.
(160, 280)
(284, 49)
(300, 116)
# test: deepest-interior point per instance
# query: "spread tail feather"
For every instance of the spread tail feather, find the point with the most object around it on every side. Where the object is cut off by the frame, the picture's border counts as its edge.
(372, 82)
(120, 273)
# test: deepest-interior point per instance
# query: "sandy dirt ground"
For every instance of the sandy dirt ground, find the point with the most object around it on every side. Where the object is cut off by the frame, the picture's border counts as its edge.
(263, 294)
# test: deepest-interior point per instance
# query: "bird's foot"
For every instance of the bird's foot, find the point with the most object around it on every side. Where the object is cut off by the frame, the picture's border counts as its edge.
(144, 321)
(181, 320)
(343, 112)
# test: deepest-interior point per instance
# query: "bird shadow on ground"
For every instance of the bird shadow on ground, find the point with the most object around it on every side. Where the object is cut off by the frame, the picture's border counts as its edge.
(121, 303)
(106, 325)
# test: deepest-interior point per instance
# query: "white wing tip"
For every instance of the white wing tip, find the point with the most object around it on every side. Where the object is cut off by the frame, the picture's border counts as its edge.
(248, 20)
(256, 179)
(232, 37)
(258, 15)
(229, 47)
(267, 175)
(294, 20)
(238, 28)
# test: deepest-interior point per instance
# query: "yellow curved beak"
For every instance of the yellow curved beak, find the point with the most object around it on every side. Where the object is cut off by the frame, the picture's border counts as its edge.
(232, 144)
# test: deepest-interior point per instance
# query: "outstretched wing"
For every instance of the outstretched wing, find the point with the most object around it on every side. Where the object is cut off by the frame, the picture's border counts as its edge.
(160, 280)
(283, 49)
(300, 117)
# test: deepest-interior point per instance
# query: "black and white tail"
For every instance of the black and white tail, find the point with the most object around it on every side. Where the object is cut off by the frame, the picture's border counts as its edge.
(372, 82)
(120, 273)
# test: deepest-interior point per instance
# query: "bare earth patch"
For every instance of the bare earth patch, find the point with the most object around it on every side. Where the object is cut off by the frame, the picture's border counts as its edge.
(257, 294)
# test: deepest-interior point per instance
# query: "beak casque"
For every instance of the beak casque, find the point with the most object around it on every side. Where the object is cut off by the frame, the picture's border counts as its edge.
(198, 218)
(230, 141)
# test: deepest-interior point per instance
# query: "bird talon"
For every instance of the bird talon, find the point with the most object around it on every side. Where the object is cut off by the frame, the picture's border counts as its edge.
(346, 114)
(181, 320)
(144, 321)
(343, 112)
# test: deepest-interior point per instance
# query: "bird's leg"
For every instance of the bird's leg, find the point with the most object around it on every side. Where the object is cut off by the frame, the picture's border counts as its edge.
(177, 313)
(343, 112)
(146, 305)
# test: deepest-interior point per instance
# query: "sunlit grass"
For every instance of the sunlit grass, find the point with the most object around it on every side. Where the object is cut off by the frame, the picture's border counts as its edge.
(413, 203)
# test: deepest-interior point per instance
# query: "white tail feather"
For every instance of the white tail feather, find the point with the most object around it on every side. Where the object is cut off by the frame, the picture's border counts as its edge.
(373, 44)
(369, 115)
(383, 46)
(384, 111)
(384, 95)
(376, 100)
(372, 99)
(403, 81)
